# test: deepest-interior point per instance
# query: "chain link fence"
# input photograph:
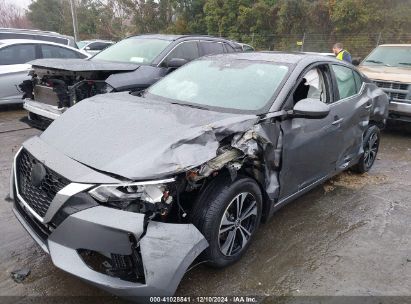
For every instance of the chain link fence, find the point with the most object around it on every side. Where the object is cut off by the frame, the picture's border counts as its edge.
(358, 45)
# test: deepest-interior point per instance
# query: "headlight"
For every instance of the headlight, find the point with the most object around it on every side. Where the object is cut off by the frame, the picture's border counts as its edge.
(151, 191)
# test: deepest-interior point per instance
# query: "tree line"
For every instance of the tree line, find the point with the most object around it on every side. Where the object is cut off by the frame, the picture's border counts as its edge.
(263, 23)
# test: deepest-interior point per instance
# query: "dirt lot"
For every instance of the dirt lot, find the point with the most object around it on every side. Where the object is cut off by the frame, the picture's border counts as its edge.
(351, 236)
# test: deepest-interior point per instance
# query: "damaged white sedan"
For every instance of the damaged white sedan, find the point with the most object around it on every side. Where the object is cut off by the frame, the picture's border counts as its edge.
(126, 191)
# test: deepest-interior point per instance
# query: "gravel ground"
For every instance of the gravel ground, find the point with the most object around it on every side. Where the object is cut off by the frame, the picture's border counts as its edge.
(348, 237)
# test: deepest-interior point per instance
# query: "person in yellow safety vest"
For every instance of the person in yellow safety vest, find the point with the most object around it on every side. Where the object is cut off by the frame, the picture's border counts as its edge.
(340, 53)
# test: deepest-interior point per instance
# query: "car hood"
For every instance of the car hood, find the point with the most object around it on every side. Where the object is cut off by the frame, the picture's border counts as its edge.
(387, 73)
(83, 65)
(141, 139)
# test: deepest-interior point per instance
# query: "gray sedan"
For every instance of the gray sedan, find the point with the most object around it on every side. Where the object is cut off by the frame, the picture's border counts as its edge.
(126, 190)
(15, 55)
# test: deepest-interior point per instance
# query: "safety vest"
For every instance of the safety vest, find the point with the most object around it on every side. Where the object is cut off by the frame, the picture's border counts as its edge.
(340, 55)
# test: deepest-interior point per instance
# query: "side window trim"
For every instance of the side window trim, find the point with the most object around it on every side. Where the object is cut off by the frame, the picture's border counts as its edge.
(178, 44)
(300, 77)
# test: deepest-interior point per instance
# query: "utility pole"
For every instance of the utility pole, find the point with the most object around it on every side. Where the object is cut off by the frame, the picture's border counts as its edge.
(379, 39)
(302, 45)
(74, 17)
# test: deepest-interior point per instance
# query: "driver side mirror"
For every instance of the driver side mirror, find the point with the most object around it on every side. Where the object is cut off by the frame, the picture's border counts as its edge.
(311, 108)
(175, 63)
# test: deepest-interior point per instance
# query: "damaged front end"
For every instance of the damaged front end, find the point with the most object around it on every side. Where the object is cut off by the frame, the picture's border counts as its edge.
(114, 235)
(131, 238)
(49, 93)
(54, 87)
(118, 213)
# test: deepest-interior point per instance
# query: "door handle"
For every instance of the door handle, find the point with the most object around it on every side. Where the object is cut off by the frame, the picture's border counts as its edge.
(337, 122)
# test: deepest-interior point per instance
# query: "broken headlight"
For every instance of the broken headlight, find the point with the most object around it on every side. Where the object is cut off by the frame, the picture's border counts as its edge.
(151, 192)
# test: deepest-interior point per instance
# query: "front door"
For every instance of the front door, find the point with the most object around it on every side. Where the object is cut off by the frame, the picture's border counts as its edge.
(310, 146)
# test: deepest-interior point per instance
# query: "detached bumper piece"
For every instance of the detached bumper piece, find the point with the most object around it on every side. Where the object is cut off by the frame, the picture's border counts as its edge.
(41, 111)
(113, 249)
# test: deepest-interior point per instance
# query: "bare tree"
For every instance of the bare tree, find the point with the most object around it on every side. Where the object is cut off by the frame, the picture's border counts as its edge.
(12, 16)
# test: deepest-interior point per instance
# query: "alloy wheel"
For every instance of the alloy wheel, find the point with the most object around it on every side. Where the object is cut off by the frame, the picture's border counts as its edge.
(370, 150)
(238, 224)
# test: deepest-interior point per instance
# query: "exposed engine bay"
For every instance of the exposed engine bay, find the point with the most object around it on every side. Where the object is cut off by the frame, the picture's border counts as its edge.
(64, 88)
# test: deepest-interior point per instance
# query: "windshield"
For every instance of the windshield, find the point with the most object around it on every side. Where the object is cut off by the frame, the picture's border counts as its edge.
(396, 56)
(138, 50)
(230, 84)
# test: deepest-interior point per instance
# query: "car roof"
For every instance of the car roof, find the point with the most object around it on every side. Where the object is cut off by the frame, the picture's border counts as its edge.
(32, 41)
(406, 45)
(283, 57)
(32, 31)
(96, 40)
(173, 37)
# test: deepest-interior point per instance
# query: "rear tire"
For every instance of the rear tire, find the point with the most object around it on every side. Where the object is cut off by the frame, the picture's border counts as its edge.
(370, 146)
(228, 215)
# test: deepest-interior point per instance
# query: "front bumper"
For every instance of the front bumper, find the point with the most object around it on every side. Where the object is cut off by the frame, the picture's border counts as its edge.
(42, 109)
(166, 250)
(400, 111)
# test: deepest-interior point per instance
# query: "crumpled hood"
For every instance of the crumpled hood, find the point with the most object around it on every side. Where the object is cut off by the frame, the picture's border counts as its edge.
(141, 139)
(387, 73)
(83, 65)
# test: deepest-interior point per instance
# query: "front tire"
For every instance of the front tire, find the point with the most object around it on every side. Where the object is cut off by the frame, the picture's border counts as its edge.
(370, 146)
(228, 215)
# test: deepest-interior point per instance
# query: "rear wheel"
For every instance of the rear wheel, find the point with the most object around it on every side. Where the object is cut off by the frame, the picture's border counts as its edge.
(228, 215)
(370, 146)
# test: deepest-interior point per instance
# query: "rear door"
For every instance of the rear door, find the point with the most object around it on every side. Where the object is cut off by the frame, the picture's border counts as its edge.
(54, 51)
(353, 110)
(14, 70)
(208, 47)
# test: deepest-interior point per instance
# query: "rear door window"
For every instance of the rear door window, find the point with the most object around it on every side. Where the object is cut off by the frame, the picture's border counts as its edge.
(17, 54)
(52, 51)
(345, 81)
(211, 47)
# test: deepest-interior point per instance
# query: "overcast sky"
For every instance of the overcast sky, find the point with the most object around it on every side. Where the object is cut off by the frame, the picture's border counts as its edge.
(21, 3)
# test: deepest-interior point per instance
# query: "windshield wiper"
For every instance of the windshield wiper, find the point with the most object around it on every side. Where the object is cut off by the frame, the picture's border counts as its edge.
(378, 62)
(405, 63)
(190, 105)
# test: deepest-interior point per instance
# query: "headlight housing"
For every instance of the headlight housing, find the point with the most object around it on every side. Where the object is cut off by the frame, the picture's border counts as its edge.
(150, 191)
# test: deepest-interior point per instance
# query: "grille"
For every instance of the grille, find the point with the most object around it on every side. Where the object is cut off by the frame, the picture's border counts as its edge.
(392, 85)
(396, 91)
(38, 198)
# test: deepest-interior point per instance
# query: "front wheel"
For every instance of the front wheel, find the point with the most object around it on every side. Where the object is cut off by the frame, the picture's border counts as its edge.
(370, 146)
(228, 215)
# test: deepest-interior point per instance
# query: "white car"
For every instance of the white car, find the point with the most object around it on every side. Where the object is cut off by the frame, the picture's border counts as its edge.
(15, 55)
(94, 46)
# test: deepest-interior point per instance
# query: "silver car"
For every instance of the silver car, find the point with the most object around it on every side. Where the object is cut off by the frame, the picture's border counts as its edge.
(15, 55)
